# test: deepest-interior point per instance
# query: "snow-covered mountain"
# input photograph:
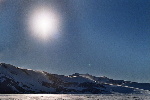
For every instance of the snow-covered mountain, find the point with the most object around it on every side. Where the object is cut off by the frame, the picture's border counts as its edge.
(17, 80)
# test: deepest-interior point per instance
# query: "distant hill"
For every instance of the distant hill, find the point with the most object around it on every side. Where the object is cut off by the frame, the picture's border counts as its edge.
(20, 81)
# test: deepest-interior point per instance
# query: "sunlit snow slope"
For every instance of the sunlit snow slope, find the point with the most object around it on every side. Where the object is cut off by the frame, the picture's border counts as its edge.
(17, 80)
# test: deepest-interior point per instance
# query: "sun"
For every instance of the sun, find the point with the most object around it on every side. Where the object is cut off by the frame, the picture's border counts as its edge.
(44, 23)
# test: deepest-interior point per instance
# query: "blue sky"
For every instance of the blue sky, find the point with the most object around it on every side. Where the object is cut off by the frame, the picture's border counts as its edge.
(100, 37)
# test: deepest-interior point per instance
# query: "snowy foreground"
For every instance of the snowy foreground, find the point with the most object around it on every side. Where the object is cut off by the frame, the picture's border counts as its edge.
(72, 97)
(15, 80)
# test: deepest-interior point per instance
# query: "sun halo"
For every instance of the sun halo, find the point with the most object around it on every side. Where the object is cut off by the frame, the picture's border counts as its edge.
(44, 23)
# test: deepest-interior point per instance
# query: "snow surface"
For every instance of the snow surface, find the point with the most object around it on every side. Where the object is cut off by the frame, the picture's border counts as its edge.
(33, 80)
(72, 97)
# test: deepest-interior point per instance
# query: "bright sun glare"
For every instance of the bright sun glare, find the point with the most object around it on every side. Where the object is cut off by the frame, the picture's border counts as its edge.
(44, 23)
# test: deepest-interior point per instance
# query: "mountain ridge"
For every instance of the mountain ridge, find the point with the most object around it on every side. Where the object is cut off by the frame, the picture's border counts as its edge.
(17, 80)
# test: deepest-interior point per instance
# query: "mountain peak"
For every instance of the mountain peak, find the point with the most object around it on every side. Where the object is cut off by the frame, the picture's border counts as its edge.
(16, 80)
(7, 65)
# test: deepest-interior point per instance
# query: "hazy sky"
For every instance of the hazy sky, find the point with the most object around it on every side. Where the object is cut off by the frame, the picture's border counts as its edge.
(100, 37)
